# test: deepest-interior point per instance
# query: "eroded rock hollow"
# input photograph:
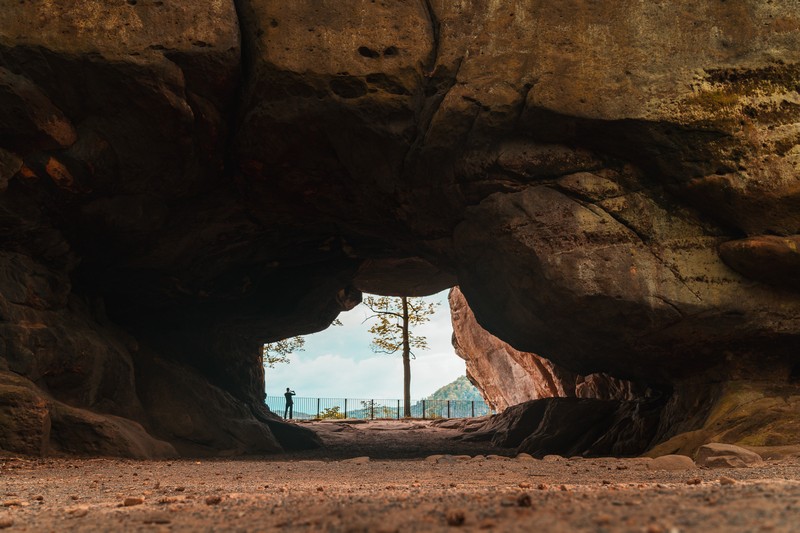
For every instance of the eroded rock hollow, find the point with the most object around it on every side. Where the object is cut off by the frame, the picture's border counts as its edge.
(613, 185)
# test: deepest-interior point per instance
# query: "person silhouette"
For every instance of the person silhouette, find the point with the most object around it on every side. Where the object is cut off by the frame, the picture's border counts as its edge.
(289, 402)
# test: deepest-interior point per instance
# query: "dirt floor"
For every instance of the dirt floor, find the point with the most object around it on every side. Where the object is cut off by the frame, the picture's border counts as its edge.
(400, 488)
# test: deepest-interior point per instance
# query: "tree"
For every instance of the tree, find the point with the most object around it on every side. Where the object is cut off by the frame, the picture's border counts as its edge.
(394, 317)
(276, 352)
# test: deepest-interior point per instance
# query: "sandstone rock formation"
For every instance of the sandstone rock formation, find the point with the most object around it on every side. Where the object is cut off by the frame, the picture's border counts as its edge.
(716, 455)
(506, 376)
(572, 427)
(605, 181)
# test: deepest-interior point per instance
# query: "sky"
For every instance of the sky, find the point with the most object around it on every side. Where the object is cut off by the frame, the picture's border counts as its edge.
(338, 362)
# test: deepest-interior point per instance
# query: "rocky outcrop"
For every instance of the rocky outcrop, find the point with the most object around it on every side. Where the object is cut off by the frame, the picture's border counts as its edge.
(573, 427)
(506, 376)
(183, 181)
(716, 455)
(33, 422)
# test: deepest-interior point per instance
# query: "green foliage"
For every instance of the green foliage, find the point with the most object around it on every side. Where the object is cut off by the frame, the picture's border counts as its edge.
(377, 411)
(460, 389)
(387, 331)
(392, 332)
(331, 413)
(273, 353)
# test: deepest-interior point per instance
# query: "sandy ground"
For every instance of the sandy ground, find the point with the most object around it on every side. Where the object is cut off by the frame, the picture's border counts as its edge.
(398, 489)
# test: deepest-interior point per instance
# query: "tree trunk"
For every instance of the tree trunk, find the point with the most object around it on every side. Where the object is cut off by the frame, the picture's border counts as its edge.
(406, 362)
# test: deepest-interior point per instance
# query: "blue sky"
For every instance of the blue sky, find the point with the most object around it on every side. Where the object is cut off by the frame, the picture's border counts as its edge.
(338, 362)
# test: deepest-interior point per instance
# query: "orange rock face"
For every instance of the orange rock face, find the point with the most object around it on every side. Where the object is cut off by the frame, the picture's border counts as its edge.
(507, 376)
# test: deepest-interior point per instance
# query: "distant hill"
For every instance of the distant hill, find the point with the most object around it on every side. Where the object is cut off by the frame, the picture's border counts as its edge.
(460, 389)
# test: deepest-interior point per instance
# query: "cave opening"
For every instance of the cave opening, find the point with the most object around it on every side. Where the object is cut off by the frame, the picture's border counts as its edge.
(342, 361)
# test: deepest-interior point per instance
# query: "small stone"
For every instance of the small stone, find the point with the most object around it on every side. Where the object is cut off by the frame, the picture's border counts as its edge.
(563, 488)
(130, 502)
(671, 462)
(552, 458)
(524, 485)
(213, 500)
(320, 489)
(524, 500)
(6, 523)
(724, 480)
(357, 460)
(167, 499)
(12, 503)
(542, 486)
(157, 518)
(694, 481)
(78, 512)
(180, 489)
(433, 458)
(652, 528)
(602, 519)
(39, 498)
(718, 455)
(455, 518)
(525, 457)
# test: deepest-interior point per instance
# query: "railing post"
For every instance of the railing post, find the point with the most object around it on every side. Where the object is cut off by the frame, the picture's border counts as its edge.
(448, 408)
(473, 408)
(398, 409)
(345, 407)
(372, 409)
(317, 407)
(423, 409)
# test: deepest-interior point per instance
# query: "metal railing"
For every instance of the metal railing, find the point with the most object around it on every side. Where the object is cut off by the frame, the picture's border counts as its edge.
(374, 409)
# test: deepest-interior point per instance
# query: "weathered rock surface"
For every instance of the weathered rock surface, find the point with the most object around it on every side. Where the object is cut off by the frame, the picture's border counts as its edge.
(32, 422)
(671, 462)
(718, 455)
(613, 186)
(506, 376)
(573, 426)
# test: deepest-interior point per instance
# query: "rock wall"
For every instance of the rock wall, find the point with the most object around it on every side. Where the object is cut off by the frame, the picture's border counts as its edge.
(506, 376)
(613, 186)
(503, 375)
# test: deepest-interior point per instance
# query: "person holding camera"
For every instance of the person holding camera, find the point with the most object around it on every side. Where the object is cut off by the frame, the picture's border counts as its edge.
(289, 403)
